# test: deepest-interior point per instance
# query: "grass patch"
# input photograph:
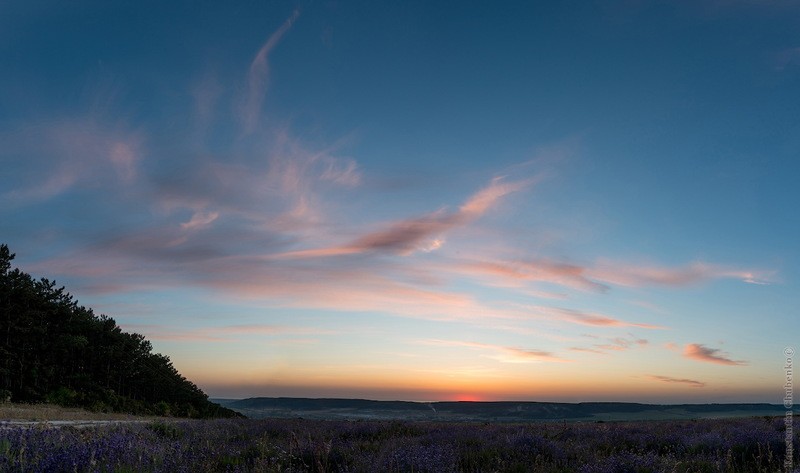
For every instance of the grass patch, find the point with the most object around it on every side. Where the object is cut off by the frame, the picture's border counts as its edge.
(51, 412)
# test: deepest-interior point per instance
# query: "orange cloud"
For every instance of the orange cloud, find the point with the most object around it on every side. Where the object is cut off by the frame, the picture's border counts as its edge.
(700, 352)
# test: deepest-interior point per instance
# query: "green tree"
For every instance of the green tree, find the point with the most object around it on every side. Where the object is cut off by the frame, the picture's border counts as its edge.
(52, 349)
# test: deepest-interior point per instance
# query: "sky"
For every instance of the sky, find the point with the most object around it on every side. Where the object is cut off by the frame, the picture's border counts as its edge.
(544, 201)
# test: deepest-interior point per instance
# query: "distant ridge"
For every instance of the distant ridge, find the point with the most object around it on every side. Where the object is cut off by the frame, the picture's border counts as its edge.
(324, 408)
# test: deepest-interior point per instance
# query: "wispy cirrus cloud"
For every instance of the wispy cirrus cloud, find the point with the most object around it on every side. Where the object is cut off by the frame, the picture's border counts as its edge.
(589, 318)
(667, 379)
(589, 350)
(503, 354)
(199, 220)
(615, 344)
(423, 233)
(525, 274)
(641, 275)
(514, 273)
(283, 195)
(65, 153)
(258, 221)
(258, 77)
(701, 352)
(621, 343)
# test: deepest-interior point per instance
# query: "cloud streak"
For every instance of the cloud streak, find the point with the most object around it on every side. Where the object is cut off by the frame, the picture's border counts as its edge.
(423, 233)
(514, 273)
(501, 353)
(696, 351)
(70, 152)
(621, 344)
(616, 344)
(636, 276)
(258, 77)
(589, 318)
(667, 379)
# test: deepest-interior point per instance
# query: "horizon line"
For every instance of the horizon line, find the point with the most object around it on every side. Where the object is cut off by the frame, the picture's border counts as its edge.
(480, 401)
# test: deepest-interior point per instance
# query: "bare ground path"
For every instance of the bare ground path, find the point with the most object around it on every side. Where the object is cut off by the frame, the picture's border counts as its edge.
(48, 415)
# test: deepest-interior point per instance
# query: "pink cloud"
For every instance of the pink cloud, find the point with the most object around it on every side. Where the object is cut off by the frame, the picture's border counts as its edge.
(174, 257)
(285, 195)
(521, 272)
(422, 233)
(563, 274)
(405, 237)
(486, 198)
(700, 352)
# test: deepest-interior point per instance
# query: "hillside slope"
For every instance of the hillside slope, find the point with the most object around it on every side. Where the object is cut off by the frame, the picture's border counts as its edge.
(54, 350)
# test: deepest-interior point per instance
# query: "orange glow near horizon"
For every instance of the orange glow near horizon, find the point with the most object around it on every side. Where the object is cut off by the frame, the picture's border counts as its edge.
(469, 397)
(577, 386)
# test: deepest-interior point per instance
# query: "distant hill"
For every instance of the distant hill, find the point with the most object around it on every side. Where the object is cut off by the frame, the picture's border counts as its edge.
(263, 407)
(53, 350)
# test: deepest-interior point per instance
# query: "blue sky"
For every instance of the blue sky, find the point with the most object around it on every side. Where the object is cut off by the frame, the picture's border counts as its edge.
(427, 200)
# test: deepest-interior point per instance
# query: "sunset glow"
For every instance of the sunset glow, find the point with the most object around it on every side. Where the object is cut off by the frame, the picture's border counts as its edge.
(418, 201)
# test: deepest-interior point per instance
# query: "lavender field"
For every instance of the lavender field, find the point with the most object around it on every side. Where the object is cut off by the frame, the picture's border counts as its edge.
(297, 445)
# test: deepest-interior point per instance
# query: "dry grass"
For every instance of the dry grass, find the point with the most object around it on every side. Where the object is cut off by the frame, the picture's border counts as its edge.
(50, 412)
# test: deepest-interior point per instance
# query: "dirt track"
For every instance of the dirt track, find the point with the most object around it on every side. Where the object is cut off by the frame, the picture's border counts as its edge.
(50, 416)
(55, 424)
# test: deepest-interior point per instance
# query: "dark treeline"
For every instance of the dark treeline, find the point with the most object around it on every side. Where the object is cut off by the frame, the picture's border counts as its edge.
(54, 350)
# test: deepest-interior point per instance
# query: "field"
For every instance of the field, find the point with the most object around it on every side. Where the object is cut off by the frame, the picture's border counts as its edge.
(755, 444)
